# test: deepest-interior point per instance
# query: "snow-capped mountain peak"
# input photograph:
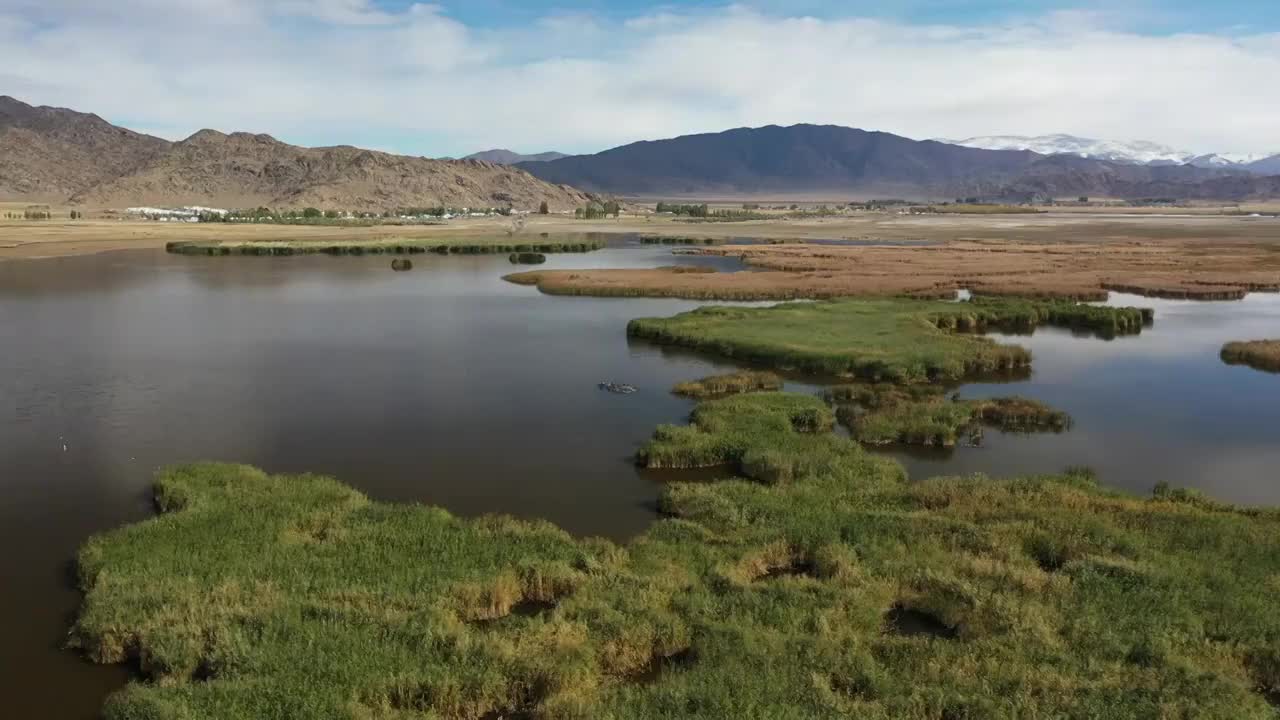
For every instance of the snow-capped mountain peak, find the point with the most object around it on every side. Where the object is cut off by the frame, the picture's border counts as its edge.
(1139, 152)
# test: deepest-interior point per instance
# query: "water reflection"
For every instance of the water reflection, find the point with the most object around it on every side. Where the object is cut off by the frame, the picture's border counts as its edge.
(1157, 407)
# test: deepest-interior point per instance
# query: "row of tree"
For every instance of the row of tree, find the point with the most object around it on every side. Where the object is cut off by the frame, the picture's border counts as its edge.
(39, 212)
(596, 211)
(313, 214)
(679, 209)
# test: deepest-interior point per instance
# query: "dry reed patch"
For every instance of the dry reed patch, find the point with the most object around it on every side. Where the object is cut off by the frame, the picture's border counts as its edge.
(1076, 270)
(729, 384)
(1258, 354)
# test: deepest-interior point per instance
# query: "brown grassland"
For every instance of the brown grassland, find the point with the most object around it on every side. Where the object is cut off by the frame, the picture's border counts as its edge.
(1257, 354)
(1180, 268)
(22, 239)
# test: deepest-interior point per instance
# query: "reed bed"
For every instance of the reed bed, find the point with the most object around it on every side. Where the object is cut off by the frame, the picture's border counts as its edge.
(1184, 291)
(1081, 271)
(527, 258)
(406, 246)
(898, 341)
(666, 240)
(1257, 354)
(729, 384)
(892, 417)
(792, 592)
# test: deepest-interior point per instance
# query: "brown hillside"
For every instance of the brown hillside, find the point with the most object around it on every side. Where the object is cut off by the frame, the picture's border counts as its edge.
(48, 154)
(59, 155)
(242, 169)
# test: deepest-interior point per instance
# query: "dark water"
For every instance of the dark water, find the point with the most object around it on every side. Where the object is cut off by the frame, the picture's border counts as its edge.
(1158, 407)
(448, 386)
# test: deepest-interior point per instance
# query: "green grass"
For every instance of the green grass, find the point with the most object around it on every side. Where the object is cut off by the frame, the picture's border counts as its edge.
(886, 340)
(729, 384)
(883, 417)
(762, 598)
(1258, 354)
(393, 246)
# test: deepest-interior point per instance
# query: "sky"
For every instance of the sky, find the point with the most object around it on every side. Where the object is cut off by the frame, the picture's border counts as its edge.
(451, 78)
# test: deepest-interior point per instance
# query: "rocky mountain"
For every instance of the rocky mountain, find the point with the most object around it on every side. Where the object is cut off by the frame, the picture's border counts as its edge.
(799, 158)
(1059, 176)
(58, 155)
(507, 157)
(1265, 166)
(48, 154)
(242, 169)
(829, 159)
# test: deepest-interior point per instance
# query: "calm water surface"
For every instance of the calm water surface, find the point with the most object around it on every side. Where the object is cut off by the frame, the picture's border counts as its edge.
(446, 385)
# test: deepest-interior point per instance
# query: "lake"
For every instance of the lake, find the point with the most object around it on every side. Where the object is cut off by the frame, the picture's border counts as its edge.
(446, 385)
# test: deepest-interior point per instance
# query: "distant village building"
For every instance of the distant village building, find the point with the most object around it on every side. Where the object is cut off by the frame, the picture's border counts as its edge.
(183, 214)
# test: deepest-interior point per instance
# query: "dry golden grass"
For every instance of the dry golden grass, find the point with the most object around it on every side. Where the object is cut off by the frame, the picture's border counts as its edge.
(1221, 269)
(65, 237)
(1257, 354)
(62, 237)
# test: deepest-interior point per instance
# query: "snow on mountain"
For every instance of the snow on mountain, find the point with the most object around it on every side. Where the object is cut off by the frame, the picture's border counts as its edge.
(1138, 152)
(1260, 163)
(1211, 160)
(1244, 158)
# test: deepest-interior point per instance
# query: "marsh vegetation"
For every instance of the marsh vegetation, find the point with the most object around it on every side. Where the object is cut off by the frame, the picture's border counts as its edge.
(1085, 270)
(1257, 354)
(729, 384)
(392, 246)
(934, 419)
(527, 258)
(899, 340)
(818, 584)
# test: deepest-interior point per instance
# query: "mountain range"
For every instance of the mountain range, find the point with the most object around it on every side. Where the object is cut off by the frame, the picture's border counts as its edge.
(1135, 152)
(507, 157)
(59, 155)
(831, 159)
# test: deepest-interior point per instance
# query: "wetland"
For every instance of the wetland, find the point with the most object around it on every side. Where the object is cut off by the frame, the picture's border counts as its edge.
(450, 387)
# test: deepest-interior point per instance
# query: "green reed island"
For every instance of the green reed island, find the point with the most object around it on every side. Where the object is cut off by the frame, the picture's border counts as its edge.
(813, 581)
(729, 384)
(887, 340)
(819, 584)
(390, 246)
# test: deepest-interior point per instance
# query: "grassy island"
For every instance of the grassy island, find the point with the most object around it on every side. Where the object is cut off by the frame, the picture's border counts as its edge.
(820, 584)
(391, 246)
(942, 421)
(891, 340)
(729, 384)
(1257, 354)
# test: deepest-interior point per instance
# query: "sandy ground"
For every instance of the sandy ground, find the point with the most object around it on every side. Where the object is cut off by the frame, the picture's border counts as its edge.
(25, 239)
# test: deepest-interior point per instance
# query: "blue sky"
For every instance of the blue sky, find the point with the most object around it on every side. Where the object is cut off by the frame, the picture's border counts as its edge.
(1148, 16)
(451, 78)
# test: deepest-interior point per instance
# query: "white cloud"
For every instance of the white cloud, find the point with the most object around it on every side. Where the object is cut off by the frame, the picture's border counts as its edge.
(338, 12)
(334, 71)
